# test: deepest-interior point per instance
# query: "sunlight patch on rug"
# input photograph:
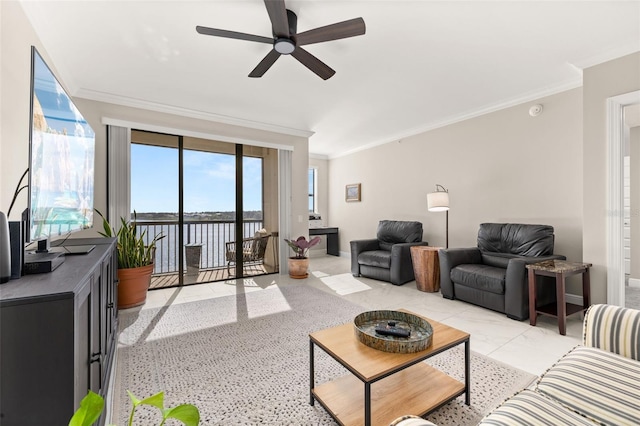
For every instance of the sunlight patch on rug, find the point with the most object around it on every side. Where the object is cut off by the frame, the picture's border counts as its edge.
(344, 284)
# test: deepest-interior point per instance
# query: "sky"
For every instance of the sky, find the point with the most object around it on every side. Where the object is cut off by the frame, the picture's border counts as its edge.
(209, 181)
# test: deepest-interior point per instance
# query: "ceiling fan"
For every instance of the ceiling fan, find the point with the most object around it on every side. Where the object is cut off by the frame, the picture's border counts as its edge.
(287, 41)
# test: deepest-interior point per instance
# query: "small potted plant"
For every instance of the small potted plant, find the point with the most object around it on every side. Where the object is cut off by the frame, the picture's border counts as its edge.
(92, 405)
(135, 261)
(299, 264)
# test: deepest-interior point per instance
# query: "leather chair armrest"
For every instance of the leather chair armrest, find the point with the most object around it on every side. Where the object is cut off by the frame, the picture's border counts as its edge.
(357, 247)
(516, 292)
(449, 259)
(401, 263)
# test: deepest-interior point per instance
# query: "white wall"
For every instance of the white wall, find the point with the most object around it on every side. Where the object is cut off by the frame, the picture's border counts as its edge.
(501, 167)
(17, 36)
(600, 82)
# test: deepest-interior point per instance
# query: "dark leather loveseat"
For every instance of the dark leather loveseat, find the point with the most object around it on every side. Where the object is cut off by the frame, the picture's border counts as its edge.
(388, 256)
(493, 275)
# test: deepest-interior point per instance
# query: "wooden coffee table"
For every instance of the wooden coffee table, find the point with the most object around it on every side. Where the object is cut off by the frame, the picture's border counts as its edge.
(394, 384)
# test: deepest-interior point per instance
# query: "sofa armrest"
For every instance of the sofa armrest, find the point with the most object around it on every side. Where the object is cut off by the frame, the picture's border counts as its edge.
(516, 291)
(401, 264)
(357, 247)
(614, 329)
(449, 259)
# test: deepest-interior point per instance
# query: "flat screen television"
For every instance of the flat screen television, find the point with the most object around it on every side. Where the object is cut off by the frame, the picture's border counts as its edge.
(61, 159)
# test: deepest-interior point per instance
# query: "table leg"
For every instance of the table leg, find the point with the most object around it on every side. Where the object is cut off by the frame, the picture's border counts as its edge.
(333, 247)
(532, 297)
(367, 404)
(467, 372)
(562, 305)
(311, 373)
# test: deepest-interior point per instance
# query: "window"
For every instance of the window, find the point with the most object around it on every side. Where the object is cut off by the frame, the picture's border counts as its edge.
(312, 190)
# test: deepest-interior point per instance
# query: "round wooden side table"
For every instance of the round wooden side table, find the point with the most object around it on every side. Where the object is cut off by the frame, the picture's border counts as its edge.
(426, 268)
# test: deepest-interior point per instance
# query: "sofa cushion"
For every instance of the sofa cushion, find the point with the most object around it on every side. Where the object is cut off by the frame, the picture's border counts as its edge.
(377, 258)
(479, 276)
(530, 408)
(596, 383)
(516, 238)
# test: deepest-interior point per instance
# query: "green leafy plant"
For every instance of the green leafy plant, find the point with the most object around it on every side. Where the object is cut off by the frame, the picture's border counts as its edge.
(301, 246)
(133, 251)
(92, 405)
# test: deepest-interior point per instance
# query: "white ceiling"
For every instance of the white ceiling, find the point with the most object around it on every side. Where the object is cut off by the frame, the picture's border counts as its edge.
(421, 64)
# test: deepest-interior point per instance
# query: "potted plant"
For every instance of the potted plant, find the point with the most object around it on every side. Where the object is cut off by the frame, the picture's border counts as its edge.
(92, 405)
(135, 261)
(299, 264)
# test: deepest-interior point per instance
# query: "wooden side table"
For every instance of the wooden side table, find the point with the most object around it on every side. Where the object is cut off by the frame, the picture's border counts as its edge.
(426, 268)
(560, 269)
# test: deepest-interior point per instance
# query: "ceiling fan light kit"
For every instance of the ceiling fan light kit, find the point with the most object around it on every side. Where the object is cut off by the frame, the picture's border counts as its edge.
(287, 41)
(284, 46)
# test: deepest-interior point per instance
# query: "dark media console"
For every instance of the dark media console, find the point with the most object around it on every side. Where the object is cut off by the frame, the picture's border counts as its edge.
(58, 337)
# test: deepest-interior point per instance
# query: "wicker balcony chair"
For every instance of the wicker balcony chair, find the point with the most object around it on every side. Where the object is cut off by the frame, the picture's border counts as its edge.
(253, 250)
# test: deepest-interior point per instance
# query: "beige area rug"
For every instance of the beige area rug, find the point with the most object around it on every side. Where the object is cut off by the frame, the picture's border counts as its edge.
(244, 360)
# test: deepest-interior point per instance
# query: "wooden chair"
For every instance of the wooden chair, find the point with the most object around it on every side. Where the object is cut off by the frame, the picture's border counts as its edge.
(253, 250)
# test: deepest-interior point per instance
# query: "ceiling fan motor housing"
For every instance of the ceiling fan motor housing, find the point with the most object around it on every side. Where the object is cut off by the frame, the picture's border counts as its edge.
(286, 45)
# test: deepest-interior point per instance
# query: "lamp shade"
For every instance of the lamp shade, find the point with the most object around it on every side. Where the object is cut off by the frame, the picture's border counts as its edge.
(438, 201)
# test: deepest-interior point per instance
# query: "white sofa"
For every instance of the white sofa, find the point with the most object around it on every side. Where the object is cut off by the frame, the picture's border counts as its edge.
(596, 383)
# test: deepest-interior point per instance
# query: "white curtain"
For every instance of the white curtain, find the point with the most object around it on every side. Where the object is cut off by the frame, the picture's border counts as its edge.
(118, 174)
(284, 178)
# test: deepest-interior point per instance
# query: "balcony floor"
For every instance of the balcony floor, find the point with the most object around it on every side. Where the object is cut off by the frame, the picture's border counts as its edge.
(207, 275)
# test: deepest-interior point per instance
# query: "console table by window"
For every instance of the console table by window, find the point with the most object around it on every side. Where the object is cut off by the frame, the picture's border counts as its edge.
(332, 239)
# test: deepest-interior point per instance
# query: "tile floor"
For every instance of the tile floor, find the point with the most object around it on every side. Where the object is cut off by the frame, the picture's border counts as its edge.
(533, 349)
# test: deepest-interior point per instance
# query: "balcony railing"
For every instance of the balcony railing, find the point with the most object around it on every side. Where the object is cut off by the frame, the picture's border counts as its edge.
(210, 234)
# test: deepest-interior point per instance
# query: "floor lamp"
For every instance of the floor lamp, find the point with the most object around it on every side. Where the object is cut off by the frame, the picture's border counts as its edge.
(439, 202)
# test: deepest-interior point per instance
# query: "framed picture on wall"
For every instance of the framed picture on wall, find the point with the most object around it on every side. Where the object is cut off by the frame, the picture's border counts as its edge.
(352, 192)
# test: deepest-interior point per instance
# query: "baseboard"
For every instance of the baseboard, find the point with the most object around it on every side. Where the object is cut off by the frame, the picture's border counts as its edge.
(634, 282)
(573, 298)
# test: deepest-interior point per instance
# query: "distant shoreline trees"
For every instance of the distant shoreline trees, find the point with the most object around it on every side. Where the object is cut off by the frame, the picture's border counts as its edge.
(199, 216)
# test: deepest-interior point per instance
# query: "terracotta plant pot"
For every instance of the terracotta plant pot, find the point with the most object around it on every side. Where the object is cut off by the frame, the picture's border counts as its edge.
(133, 284)
(298, 267)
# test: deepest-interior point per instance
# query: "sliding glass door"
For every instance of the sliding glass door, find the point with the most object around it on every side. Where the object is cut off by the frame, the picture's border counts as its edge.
(204, 190)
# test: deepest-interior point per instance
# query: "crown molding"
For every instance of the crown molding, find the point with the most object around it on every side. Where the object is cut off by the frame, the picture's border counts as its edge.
(186, 112)
(507, 103)
(606, 56)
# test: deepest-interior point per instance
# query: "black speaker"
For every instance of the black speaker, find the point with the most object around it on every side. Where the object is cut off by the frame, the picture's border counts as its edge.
(16, 239)
(5, 250)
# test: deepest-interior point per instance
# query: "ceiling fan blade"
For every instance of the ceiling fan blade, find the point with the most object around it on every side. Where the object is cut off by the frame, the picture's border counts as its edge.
(278, 15)
(350, 28)
(314, 64)
(265, 64)
(232, 34)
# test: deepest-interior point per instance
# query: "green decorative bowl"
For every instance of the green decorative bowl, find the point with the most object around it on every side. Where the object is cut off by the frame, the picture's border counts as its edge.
(419, 340)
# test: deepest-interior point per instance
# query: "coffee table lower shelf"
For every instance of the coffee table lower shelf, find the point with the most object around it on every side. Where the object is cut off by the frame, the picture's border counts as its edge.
(417, 390)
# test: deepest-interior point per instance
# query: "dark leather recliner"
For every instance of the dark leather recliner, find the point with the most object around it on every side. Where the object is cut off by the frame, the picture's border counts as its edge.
(388, 256)
(493, 275)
